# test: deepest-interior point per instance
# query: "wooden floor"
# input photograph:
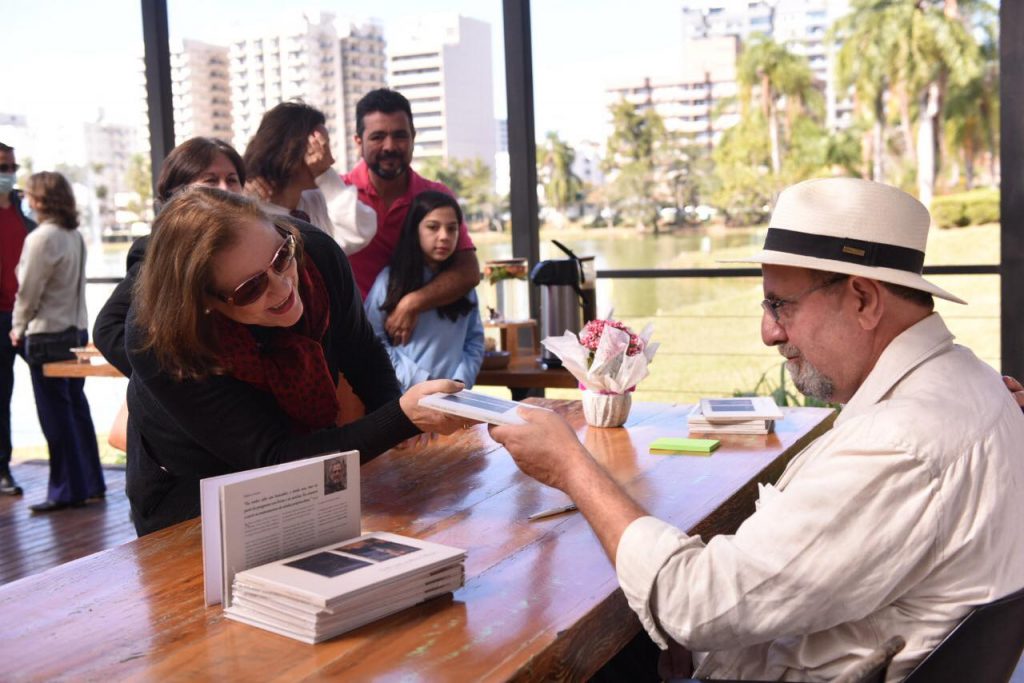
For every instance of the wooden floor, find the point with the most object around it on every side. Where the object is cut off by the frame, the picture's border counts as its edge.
(31, 543)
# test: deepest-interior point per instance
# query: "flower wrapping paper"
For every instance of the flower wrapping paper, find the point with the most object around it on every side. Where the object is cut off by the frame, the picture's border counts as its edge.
(612, 370)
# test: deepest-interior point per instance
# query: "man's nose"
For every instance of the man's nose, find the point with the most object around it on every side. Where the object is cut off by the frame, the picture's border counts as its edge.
(772, 332)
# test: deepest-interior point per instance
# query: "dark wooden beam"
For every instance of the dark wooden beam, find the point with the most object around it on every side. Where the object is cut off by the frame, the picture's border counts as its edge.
(158, 83)
(1011, 146)
(522, 138)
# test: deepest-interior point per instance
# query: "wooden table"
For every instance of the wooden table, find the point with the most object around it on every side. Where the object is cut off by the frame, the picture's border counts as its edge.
(541, 600)
(92, 367)
(525, 373)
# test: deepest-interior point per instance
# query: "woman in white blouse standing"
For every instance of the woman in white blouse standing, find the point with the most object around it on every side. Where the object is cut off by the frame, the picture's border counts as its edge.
(50, 299)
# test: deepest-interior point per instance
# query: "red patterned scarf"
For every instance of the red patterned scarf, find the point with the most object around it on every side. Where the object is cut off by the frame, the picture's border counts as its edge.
(287, 362)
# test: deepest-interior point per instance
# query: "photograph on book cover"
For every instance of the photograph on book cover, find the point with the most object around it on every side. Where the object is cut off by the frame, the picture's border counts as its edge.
(335, 475)
(327, 564)
(376, 549)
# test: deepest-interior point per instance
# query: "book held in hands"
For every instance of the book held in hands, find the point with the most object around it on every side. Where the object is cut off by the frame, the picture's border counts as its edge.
(282, 550)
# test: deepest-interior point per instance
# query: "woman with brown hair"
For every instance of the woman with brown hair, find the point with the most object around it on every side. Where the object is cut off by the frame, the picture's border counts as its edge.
(51, 299)
(289, 159)
(238, 329)
(197, 161)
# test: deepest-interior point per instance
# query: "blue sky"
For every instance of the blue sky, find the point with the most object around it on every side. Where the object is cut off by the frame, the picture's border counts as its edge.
(72, 58)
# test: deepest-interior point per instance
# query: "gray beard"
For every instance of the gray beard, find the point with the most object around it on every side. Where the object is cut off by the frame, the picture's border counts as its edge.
(388, 175)
(810, 381)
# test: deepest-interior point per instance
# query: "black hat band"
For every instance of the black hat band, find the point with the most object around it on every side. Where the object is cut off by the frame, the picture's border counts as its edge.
(873, 254)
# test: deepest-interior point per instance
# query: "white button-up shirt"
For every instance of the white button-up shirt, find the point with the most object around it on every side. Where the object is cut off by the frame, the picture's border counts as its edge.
(897, 521)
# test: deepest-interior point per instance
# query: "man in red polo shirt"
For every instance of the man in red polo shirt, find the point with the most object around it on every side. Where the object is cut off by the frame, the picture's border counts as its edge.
(13, 228)
(385, 135)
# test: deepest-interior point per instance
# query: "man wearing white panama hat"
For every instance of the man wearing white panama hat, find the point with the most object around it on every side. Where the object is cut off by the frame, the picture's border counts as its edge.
(895, 522)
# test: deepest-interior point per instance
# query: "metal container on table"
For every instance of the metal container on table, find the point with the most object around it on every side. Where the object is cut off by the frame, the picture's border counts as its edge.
(567, 296)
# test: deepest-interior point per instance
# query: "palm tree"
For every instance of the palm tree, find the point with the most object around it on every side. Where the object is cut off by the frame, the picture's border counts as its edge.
(782, 78)
(562, 186)
(924, 47)
(865, 60)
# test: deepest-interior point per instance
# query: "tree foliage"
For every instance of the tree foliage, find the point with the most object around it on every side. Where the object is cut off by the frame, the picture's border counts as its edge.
(470, 181)
(909, 54)
(555, 158)
(638, 160)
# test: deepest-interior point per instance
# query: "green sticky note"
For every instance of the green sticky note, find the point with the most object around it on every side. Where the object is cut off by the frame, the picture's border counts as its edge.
(671, 444)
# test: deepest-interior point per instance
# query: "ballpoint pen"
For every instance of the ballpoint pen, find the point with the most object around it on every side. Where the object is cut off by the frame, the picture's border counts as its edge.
(550, 512)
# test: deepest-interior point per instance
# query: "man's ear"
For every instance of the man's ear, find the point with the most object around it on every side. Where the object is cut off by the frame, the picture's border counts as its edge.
(868, 295)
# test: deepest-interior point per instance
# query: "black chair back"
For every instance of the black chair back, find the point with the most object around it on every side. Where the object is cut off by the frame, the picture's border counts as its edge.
(985, 646)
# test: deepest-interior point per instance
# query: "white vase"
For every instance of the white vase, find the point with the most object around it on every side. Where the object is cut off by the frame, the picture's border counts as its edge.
(606, 410)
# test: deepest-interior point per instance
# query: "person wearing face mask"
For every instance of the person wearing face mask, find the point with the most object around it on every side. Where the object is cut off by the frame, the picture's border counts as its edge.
(14, 226)
(197, 161)
(237, 332)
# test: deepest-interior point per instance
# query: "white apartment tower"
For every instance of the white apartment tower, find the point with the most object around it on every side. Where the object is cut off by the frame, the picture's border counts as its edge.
(364, 68)
(442, 64)
(800, 24)
(201, 90)
(297, 59)
(696, 98)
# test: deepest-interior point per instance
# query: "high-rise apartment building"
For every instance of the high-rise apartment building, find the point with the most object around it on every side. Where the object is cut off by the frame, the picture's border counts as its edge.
(442, 64)
(800, 24)
(364, 68)
(201, 90)
(696, 99)
(308, 59)
(297, 59)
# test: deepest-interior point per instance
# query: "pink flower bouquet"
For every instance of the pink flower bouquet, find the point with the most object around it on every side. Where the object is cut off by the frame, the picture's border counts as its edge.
(607, 357)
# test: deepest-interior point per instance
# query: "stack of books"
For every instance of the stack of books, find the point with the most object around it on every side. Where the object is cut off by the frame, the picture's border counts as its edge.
(283, 550)
(318, 595)
(746, 415)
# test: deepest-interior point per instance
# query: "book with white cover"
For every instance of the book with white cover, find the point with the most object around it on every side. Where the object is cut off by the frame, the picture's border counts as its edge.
(477, 406)
(326, 576)
(260, 515)
(739, 409)
(746, 427)
(700, 424)
(317, 595)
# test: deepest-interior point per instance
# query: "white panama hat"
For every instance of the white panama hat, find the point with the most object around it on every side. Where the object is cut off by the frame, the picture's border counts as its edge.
(850, 226)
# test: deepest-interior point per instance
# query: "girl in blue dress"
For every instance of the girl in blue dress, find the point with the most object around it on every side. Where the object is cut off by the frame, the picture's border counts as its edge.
(448, 341)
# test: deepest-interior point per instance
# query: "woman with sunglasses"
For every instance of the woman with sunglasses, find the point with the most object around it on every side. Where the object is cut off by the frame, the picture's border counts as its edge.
(235, 336)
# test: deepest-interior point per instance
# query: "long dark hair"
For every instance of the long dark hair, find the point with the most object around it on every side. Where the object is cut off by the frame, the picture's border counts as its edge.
(407, 262)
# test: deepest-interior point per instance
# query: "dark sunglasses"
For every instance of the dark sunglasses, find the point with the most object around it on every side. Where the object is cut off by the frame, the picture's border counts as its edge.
(9, 168)
(253, 288)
